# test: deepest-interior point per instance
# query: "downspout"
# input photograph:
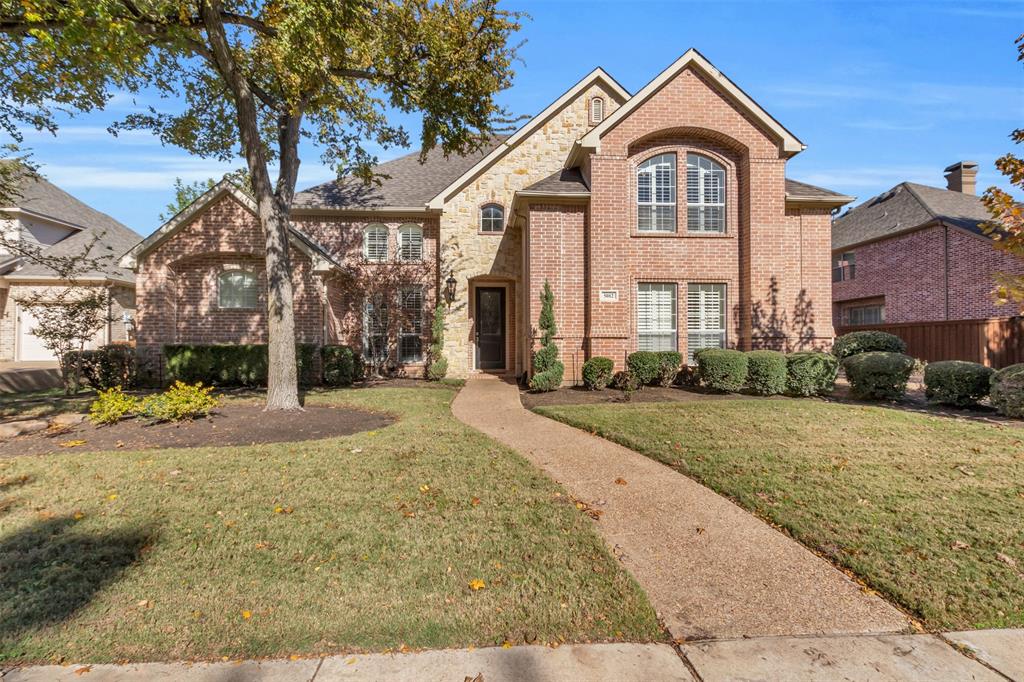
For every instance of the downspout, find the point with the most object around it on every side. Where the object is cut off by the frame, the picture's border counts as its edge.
(945, 269)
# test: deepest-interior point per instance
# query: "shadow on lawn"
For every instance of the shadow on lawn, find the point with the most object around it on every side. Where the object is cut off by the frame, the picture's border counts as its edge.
(50, 570)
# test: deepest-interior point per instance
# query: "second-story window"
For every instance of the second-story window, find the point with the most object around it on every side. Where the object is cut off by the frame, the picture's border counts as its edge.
(492, 218)
(844, 267)
(705, 195)
(375, 243)
(656, 194)
(410, 243)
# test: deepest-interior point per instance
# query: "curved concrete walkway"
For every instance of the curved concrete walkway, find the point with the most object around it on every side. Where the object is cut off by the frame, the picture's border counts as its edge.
(711, 569)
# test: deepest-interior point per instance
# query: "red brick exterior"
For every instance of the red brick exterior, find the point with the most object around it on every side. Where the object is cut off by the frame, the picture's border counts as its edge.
(773, 257)
(932, 274)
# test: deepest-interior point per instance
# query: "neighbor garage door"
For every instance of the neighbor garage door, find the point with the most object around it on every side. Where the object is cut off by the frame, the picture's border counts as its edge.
(30, 348)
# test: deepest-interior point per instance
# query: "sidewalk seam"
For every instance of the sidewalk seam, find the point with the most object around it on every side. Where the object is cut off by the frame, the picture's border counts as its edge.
(318, 666)
(969, 654)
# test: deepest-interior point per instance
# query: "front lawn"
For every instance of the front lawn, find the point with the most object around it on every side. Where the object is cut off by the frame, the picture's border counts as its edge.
(369, 541)
(927, 510)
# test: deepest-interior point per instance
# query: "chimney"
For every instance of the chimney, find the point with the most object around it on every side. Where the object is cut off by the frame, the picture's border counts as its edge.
(962, 176)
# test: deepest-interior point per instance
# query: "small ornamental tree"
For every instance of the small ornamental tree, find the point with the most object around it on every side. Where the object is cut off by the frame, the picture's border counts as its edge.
(547, 369)
(1007, 225)
(438, 367)
(67, 318)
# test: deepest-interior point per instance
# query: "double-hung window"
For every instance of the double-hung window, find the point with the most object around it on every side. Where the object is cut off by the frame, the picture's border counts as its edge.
(656, 315)
(237, 289)
(410, 243)
(375, 327)
(410, 338)
(865, 314)
(375, 243)
(656, 194)
(705, 195)
(705, 318)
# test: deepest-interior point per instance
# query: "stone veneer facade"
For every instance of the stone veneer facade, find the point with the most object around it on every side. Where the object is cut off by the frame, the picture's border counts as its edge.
(773, 257)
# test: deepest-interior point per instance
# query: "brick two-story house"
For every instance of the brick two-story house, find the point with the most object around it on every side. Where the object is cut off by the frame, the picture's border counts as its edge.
(661, 219)
(918, 254)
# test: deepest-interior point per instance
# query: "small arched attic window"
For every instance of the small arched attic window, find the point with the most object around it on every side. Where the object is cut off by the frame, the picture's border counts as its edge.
(596, 109)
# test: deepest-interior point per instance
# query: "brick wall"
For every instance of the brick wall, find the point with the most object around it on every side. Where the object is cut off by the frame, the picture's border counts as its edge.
(909, 274)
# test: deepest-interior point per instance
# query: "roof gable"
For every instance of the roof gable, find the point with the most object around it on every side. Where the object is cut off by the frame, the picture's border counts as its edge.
(322, 259)
(789, 143)
(596, 76)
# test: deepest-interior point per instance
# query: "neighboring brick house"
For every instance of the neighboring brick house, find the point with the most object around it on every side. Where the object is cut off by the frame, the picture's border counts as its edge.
(583, 196)
(59, 225)
(918, 254)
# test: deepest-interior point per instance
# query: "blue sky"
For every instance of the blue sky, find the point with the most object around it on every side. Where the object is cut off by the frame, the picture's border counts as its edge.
(880, 92)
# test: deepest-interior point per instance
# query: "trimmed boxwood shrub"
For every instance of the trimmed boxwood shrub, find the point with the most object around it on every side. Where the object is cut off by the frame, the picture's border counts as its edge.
(341, 365)
(107, 367)
(668, 367)
(866, 342)
(722, 369)
(810, 372)
(231, 365)
(1007, 394)
(958, 383)
(597, 373)
(645, 366)
(878, 375)
(766, 372)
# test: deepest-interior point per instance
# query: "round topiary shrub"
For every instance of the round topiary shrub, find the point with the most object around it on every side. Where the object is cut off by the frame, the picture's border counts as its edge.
(722, 369)
(645, 366)
(597, 373)
(766, 372)
(878, 375)
(810, 373)
(866, 342)
(958, 383)
(1007, 393)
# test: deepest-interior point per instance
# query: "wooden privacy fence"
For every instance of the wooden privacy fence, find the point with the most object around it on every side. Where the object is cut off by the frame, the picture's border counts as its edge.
(995, 342)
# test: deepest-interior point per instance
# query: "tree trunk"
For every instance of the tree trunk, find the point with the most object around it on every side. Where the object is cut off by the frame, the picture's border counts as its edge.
(282, 372)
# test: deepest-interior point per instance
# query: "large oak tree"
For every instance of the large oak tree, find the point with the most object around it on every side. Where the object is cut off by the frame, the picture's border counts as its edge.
(254, 77)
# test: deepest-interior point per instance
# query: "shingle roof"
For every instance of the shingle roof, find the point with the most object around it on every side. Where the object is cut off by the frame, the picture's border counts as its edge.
(410, 184)
(112, 239)
(565, 181)
(802, 189)
(904, 207)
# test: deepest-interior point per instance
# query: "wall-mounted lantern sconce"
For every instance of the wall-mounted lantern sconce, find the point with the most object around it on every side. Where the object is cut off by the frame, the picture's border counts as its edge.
(449, 290)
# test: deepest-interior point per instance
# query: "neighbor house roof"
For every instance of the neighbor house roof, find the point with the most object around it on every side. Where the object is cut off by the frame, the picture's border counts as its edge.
(906, 207)
(406, 184)
(106, 238)
(322, 259)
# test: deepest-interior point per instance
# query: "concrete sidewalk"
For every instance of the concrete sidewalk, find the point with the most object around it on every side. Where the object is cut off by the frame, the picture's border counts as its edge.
(711, 570)
(857, 658)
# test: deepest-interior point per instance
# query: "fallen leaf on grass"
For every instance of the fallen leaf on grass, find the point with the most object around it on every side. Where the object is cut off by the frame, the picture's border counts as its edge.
(477, 584)
(424, 488)
(144, 604)
(112, 496)
(475, 501)
(1006, 559)
(956, 544)
(506, 645)
(78, 516)
(71, 443)
(283, 510)
(246, 615)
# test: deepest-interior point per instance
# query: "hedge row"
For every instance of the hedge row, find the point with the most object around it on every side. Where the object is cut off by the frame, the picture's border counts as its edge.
(767, 372)
(247, 364)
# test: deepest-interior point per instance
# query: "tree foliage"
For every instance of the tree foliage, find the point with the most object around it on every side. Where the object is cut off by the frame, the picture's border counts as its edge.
(255, 77)
(1007, 225)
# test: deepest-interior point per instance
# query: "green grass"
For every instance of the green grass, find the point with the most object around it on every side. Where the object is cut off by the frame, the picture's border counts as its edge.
(161, 554)
(891, 495)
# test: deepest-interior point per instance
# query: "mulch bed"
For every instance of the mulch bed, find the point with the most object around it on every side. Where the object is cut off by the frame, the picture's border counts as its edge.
(231, 425)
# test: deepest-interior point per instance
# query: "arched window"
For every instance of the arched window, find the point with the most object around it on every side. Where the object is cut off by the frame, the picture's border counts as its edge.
(375, 243)
(492, 218)
(656, 194)
(410, 243)
(237, 289)
(596, 110)
(705, 195)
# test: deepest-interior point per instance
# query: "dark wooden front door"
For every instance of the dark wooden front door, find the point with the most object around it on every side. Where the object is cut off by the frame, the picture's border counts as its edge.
(490, 328)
